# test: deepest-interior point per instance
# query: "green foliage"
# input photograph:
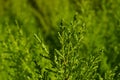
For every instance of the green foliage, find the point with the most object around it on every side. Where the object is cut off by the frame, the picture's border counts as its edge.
(59, 40)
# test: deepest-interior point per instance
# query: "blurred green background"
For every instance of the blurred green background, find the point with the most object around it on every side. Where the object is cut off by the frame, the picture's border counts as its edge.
(100, 17)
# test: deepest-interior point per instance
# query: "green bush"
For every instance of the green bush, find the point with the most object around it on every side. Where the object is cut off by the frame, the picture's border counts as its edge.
(59, 40)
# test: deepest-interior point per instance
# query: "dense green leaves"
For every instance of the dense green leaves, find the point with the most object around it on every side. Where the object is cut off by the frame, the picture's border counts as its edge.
(59, 40)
